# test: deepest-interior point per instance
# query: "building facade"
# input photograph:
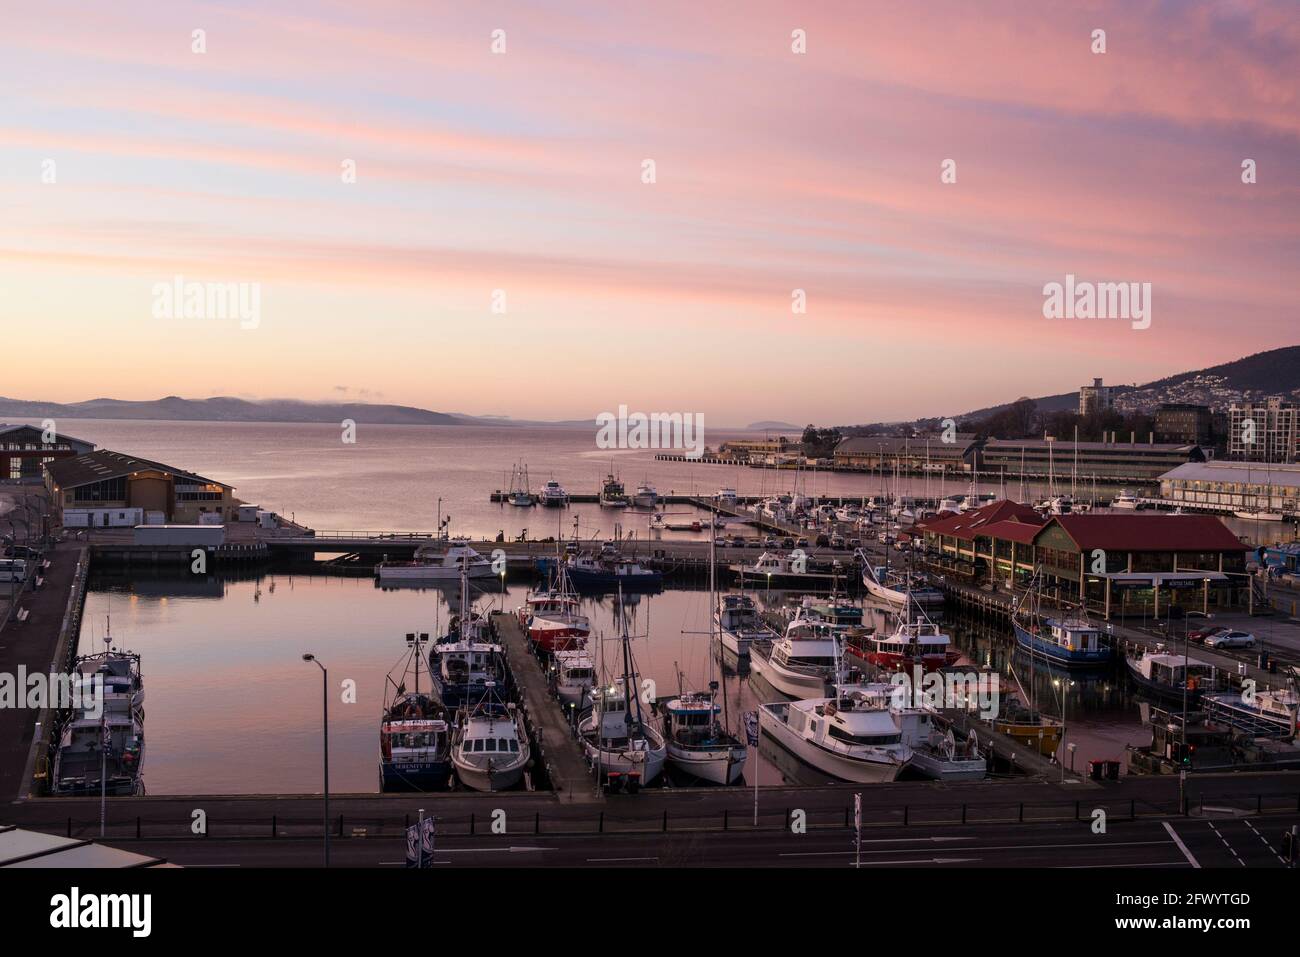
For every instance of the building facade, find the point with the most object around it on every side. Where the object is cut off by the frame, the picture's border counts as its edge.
(1225, 486)
(1267, 431)
(1184, 423)
(1115, 565)
(1109, 461)
(113, 480)
(1095, 398)
(922, 453)
(24, 453)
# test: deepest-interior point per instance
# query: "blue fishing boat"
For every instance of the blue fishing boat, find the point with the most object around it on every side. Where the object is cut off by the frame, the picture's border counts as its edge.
(1071, 642)
(414, 733)
(608, 573)
(465, 660)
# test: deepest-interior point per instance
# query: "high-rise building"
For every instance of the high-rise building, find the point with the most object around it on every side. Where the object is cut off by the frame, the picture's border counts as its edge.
(1267, 431)
(1095, 398)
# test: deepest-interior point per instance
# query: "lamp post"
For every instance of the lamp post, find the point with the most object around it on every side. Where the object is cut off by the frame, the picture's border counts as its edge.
(325, 724)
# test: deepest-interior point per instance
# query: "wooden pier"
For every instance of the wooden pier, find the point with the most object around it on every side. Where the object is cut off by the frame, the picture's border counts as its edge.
(557, 748)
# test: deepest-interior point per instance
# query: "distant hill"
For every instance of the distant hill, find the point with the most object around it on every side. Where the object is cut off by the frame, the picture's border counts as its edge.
(774, 427)
(226, 409)
(1276, 372)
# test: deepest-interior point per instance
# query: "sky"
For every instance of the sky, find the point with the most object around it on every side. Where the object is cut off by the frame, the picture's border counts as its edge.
(500, 249)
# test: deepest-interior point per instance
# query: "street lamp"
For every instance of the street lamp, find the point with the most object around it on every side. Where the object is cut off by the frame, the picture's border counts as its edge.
(325, 724)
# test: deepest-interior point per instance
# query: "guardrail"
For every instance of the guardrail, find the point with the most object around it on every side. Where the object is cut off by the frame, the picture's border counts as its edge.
(125, 826)
(354, 535)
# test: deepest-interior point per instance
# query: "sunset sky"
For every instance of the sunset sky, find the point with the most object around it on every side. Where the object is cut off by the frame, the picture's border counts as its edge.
(522, 171)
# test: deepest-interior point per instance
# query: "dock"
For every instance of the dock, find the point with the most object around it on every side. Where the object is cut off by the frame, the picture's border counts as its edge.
(557, 748)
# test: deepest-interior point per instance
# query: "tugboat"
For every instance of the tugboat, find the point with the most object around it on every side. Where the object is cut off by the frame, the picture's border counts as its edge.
(101, 749)
(414, 734)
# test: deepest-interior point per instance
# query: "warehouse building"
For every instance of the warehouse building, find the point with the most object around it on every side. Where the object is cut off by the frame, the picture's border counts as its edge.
(1250, 487)
(1117, 564)
(1110, 461)
(103, 481)
(24, 453)
(919, 453)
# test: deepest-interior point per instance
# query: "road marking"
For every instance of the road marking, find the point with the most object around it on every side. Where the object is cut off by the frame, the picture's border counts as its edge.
(1266, 843)
(1082, 867)
(929, 860)
(997, 847)
(1181, 846)
(1226, 844)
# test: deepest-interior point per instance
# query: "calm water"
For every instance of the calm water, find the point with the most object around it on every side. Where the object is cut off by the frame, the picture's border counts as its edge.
(231, 707)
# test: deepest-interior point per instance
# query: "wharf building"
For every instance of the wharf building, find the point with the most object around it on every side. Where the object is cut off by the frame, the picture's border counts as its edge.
(1109, 461)
(1116, 565)
(24, 453)
(921, 453)
(103, 481)
(1225, 486)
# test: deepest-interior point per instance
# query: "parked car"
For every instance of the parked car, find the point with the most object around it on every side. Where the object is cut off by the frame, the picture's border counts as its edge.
(754, 543)
(855, 543)
(823, 541)
(23, 551)
(787, 542)
(837, 541)
(720, 542)
(801, 543)
(1200, 634)
(1231, 639)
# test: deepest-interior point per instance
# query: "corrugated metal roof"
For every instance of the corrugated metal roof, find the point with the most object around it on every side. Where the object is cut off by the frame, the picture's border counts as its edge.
(1253, 473)
(104, 464)
(6, 428)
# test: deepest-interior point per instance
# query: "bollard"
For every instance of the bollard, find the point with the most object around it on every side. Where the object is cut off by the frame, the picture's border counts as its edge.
(724, 818)
(537, 822)
(665, 820)
(963, 813)
(600, 825)
(1022, 812)
(1076, 810)
(1132, 809)
(274, 829)
(905, 814)
(137, 827)
(69, 827)
(340, 825)
(471, 823)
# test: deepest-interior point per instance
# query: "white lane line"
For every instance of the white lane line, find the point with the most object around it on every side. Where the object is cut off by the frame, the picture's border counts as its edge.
(1226, 844)
(212, 865)
(928, 860)
(1182, 847)
(1266, 843)
(1089, 867)
(992, 847)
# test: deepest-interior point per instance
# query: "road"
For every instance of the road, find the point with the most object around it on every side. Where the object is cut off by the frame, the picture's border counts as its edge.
(1224, 842)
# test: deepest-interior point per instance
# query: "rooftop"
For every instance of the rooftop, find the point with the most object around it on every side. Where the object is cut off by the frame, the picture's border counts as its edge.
(1253, 473)
(104, 464)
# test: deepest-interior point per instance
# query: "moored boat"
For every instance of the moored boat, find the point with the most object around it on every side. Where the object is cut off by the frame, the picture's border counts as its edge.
(490, 750)
(852, 736)
(1172, 677)
(801, 663)
(697, 742)
(101, 742)
(440, 562)
(414, 732)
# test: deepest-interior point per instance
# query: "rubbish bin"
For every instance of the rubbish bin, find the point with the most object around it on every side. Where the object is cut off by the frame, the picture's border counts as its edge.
(1112, 770)
(1095, 769)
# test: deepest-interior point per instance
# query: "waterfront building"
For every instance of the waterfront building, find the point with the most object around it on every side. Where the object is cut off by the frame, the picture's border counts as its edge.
(1184, 423)
(108, 480)
(916, 453)
(1095, 398)
(1109, 461)
(1121, 564)
(760, 449)
(1267, 431)
(1225, 486)
(24, 452)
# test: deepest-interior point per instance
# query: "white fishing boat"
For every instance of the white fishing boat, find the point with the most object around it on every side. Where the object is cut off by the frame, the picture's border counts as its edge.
(624, 748)
(899, 588)
(697, 742)
(572, 675)
(1268, 713)
(852, 736)
(441, 561)
(727, 497)
(801, 663)
(739, 625)
(936, 753)
(553, 495)
(645, 496)
(519, 494)
(612, 494)
(490, 751)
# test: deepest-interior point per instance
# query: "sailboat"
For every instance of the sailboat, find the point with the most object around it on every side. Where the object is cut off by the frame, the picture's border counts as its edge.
(414, 733)
(624, 749)
(698, 743)
(1264, 512)
(519, 493)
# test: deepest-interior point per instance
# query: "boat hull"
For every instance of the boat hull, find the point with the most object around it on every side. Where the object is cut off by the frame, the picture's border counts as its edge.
(791, 683)
(1043, 738)
(593, 581)
(494, 779)
(1160, 690)
(722, 765)
(938, 768)
(414, 776)
(835, 765)
(428, 573)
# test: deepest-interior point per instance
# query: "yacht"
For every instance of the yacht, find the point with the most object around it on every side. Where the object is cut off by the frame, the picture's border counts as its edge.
(801, 663)
(900, 589)
(1259, 515)
(553, 495)
(596, 572)
(1125, 499)
(519, 493)
(834, 610)
(103, 752)
(612, 494)
(645, 496)
(727, 497)
(440, 562)
(491, 751)
(951, 505)
(1268, 713)
(414, 732)
(1172, 677)
(739, 625)
(852, 736)
(572, 674)
(773, 570)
